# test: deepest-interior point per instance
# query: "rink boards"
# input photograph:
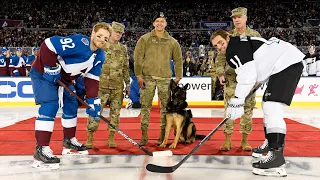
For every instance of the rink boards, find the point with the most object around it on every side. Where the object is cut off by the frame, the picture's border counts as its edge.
(18, 92)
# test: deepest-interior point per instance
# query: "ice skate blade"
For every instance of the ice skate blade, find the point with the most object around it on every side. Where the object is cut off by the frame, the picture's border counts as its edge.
(76, 153)
(41, 165)
(277, 172)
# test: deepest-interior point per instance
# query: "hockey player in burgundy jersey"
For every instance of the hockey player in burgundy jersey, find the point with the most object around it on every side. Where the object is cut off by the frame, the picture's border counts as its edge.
(257, 60)
(4, 62)
(65, 59)
(17, 64)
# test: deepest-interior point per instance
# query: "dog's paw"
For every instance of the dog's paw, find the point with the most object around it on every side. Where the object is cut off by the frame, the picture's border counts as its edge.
(162, 145)
(188, 141)
(181, 140)
(173, 146)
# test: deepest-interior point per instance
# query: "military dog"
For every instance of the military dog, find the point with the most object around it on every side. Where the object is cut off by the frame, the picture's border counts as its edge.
(179, 118)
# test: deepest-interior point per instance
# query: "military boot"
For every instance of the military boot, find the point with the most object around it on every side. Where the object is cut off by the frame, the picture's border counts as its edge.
(89, 142)
(227, 143)
(162, 133)
(244, 143)
(111, 142)
(144, 138)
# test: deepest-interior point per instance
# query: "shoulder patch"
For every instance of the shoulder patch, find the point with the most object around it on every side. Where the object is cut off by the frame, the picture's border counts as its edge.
(85, 41)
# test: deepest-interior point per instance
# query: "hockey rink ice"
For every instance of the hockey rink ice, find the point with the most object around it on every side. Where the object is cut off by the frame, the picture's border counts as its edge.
(132, 167)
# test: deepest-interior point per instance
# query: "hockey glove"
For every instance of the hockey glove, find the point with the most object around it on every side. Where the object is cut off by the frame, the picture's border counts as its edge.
(52, 74)
(235, 108)
(95, 104)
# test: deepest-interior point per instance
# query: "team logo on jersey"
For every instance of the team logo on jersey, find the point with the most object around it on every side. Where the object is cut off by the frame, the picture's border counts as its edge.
(85, 41)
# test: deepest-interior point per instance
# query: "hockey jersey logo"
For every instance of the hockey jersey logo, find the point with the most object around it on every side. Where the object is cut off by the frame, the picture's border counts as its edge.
(85, 41)
(75, 69)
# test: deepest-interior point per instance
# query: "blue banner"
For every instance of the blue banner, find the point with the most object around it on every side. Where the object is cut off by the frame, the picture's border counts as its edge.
(215, 25)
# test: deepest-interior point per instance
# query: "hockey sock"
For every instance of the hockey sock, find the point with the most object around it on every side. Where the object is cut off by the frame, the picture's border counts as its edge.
(69, 132)
(43, 137)
(276, 140)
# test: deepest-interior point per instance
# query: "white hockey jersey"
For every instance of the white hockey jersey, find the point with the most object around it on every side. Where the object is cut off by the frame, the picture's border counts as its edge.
(256, 59)
(312, 65)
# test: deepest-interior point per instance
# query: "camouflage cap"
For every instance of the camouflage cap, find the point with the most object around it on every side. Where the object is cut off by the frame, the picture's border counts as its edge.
(117, 27)
(239, 11)
(158, 15)
(210, 53)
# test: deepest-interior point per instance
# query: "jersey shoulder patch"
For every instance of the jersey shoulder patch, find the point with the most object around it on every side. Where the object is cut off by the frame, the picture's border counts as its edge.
(85, 41)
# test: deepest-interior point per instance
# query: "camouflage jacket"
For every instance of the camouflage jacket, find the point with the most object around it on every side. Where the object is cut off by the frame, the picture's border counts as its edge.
(222, 67)
(115, 70)
(152, 56)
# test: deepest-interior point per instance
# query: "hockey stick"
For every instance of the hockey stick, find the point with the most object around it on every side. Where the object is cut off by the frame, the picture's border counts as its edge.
(171, 169)
(160, 153)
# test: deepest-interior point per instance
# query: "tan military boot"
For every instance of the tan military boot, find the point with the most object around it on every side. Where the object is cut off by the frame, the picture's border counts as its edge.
(227, 143)
(244, 143)
(111, 142)
(162, 133)
(144, 138)
(89, 142)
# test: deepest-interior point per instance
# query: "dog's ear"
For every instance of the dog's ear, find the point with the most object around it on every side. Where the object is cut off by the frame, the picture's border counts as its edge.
(189, 113)
(186, 86)
(173, 85)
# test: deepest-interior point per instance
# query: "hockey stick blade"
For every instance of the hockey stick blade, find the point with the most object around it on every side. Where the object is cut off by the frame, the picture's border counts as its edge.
(171, 169)
(105, 120)
(161, 169)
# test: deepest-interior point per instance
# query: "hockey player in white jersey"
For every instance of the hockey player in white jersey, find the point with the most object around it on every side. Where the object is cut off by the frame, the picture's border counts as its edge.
(257, 60)
(65, 59)
(312, 63)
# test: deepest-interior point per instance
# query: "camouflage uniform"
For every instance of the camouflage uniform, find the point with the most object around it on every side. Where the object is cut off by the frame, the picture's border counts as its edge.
(152, 56)
(229, 89)
(115, 71)
(210, 70)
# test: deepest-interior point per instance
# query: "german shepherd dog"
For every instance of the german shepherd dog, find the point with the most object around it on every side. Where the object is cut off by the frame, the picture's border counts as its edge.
(179, 118)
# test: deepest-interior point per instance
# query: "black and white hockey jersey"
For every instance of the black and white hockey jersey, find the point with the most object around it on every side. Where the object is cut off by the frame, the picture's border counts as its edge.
(256, 59)
(312, 65)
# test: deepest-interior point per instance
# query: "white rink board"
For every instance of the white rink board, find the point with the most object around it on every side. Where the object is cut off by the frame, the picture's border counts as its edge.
(20, 90)
(308, 90)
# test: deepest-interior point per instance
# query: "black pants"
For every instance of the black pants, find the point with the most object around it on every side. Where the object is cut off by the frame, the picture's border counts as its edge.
(281, 86)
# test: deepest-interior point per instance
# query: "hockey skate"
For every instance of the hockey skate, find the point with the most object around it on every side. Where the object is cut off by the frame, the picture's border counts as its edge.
(272, 165)
(44, 159)
(260, 150)
(71, 146)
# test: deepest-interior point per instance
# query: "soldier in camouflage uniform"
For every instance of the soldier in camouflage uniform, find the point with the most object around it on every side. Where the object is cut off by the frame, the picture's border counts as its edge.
(227, 77)
(115, 72)
(152, 56)
(210, 70)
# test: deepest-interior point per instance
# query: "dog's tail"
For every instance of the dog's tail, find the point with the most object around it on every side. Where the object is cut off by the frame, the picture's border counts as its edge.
(200, 137)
